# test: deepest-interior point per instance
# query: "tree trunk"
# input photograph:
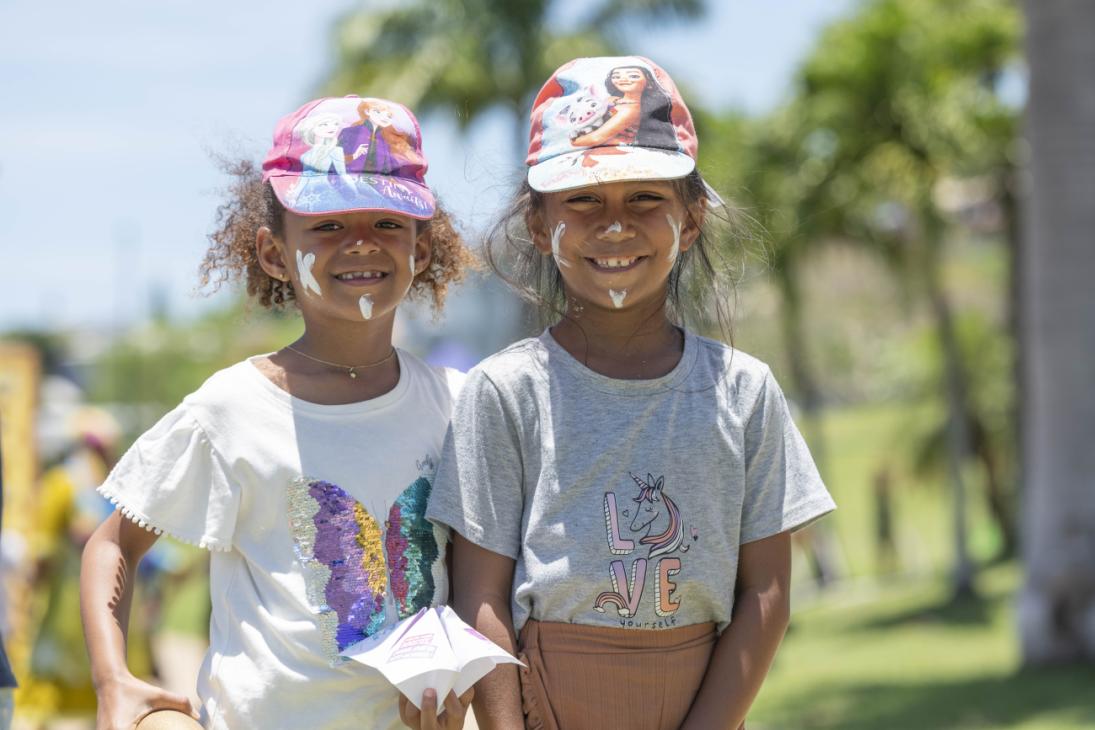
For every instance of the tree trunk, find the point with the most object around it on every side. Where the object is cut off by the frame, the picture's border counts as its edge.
(1057, 602)
(956, 394)
(817, 540)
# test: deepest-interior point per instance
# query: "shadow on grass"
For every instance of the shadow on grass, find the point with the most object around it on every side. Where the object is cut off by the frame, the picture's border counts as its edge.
(966, 611)
(1062, 696)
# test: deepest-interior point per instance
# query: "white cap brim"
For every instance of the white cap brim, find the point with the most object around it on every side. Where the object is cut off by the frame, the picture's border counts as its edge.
(599, 165)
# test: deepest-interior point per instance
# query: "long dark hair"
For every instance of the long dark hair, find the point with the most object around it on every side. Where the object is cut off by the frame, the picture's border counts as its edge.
(655, 106)
(700, 289)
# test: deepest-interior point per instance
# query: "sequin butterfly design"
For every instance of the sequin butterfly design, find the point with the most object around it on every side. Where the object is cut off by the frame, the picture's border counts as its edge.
(357, 572)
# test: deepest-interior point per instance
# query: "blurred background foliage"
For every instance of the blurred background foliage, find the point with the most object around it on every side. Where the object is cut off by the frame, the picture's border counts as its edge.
(876, 270)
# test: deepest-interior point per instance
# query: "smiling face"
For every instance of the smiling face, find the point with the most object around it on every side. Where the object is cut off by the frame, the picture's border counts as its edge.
(616, 243)
(628, 79)
(353, 267)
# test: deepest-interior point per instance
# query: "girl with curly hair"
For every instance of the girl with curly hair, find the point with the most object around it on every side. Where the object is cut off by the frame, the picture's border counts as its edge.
(306, 471)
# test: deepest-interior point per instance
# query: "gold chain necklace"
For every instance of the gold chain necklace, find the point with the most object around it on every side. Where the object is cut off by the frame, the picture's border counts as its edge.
(349, 368)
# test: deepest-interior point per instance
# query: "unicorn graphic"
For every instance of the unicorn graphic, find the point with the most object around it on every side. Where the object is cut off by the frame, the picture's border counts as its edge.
(659, 516)
(653, 503)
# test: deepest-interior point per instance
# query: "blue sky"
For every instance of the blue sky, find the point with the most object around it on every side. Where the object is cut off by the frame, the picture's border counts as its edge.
(111, 110)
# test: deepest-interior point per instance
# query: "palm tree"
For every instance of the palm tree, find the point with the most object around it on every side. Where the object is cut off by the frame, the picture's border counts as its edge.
(1057, 602)
(901, 86)
(467, 56)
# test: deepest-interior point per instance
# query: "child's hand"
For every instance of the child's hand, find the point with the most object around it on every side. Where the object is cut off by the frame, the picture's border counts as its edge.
(426, 718)
(125, 701)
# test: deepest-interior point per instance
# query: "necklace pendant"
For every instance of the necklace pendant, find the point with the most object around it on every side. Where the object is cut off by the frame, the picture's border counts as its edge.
(352, 373)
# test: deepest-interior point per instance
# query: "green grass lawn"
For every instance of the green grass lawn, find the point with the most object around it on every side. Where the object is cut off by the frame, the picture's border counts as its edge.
(900, 655)
(894, 652)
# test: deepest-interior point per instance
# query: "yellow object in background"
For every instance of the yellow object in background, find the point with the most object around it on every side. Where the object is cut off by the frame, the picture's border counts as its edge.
(20, 372)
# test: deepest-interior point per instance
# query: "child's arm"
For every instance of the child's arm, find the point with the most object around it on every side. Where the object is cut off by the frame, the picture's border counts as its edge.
(744, 652)
(482, 581)
(107, 572)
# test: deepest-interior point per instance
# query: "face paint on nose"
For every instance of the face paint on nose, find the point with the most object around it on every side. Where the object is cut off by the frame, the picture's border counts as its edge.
(305, 262)
(557, 236)
(365, 303)
(676, 226)
(615, 228)
(617, 297)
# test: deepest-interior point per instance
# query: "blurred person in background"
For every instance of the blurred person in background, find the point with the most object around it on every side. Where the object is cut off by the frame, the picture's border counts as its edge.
(7, 678)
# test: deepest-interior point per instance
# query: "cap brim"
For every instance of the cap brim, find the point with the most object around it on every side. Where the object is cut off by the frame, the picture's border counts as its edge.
(319, 194)
(599, 165)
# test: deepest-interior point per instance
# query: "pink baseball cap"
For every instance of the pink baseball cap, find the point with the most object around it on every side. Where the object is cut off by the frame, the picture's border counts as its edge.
(343, 154)
(608, 119)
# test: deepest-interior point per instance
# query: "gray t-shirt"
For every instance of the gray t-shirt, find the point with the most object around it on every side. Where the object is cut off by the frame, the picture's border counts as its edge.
(623, 502)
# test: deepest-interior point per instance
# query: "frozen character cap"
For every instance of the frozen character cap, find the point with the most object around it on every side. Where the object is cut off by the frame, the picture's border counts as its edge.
(338, 155)
(607, 119)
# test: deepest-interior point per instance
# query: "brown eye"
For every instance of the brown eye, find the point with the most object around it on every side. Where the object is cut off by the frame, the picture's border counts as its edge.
(582, 199)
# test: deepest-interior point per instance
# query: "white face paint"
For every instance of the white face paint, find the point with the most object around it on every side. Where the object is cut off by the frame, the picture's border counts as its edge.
(557, 236)
(410, 265)
(676, 226)
(617, 297)
(615, 228)
(304, 270)
(366, 305)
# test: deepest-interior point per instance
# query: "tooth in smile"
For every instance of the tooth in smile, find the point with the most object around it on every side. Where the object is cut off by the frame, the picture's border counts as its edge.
(355, 275)
(616, 263)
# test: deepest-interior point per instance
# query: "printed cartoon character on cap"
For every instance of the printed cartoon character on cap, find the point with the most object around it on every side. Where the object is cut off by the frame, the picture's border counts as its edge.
(639, 108)
(324, 155)
(586, 113)
(374, 143)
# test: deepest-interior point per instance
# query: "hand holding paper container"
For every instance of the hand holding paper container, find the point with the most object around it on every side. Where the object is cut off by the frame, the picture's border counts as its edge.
(432, 649)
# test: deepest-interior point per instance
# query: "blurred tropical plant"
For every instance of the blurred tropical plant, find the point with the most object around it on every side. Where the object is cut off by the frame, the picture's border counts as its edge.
(897, 118)
(468, 56)
(905, 94)
(151, 368)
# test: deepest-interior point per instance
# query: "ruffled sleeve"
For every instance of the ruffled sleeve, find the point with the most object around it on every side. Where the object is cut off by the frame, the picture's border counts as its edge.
(172, 480)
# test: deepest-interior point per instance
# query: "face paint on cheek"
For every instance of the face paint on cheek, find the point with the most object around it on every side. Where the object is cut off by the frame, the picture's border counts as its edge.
(676, 226)
(304, 270)
(617, 297)
(365, 303)
(410, 265)
(557, 236)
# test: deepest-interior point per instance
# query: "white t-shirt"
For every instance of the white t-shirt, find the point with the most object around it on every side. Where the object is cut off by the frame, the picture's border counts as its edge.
(315, 516)
(624, 502)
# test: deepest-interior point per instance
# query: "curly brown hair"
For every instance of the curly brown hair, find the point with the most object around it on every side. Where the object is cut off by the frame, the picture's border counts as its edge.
(251, 203)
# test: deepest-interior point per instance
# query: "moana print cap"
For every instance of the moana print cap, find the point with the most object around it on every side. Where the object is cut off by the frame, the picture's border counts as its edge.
(339, 155)
(607, 119)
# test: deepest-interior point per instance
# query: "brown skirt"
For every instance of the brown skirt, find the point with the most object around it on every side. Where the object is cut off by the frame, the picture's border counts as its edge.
(582, 677)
